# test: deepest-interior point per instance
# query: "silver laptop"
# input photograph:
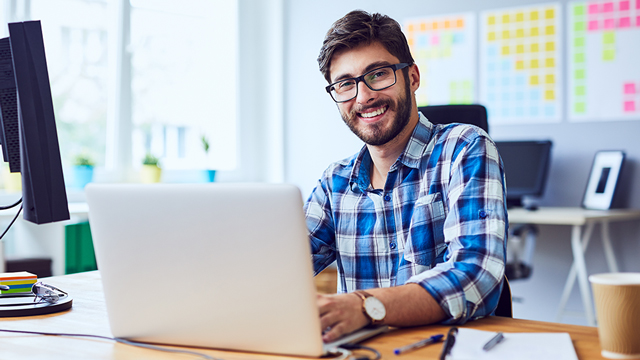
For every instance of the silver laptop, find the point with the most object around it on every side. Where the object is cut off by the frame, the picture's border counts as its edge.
(222, 266)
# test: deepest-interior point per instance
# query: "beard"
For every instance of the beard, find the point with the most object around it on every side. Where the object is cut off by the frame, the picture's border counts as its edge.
(376, 134)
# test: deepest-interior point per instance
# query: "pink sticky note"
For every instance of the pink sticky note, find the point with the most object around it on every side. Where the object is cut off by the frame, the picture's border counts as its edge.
(637, 4)
(624, 5)
(629, 88)
(593, 25)
(629, 106)
(638, 20)
(625, 22)
(609, 24)
(593, 8)
(607, 7)
(435, 40)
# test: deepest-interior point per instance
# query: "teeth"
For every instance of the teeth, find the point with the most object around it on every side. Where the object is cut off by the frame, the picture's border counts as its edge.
(374, 113)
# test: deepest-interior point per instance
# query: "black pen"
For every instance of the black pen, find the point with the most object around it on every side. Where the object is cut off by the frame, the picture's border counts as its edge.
(431, 340)
(493, 342)
(448, 344)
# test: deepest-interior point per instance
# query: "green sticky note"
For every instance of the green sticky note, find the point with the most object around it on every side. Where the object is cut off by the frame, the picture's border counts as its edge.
(609, 37)
(578, 10)
(578, 42)
(578, 57)
(608, 55)
(580, 107)
(466, 84)
(580, 90)
(579, 26)
(579, 74)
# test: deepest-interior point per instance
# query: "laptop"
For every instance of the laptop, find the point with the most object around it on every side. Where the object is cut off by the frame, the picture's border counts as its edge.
(223, 266)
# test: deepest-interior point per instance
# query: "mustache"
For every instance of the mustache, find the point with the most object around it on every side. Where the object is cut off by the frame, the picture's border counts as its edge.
(376, 104)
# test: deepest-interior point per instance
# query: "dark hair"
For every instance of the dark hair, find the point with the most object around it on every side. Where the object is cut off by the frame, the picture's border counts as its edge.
(361, 28)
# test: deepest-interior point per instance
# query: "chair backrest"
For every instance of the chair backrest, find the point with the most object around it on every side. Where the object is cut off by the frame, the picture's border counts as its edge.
(505, 306)
(467, 114)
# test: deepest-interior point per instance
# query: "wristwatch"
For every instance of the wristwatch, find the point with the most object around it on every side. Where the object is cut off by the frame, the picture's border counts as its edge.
(372, 308)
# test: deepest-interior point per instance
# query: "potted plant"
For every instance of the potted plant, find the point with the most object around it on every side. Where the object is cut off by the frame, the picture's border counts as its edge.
(151, 171)
(83, 170)
(209, 174)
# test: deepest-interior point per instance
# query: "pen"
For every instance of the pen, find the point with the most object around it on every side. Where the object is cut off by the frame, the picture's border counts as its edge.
(428, 341)
(448, 344)
(493, 342)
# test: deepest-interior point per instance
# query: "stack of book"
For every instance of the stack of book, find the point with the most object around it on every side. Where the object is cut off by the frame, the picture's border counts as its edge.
(18, 282)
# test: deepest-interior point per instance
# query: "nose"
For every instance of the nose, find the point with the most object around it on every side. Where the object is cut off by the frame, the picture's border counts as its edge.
(365, 95)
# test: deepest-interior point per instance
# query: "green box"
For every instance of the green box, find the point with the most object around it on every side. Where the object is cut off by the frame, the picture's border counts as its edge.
(79, 253)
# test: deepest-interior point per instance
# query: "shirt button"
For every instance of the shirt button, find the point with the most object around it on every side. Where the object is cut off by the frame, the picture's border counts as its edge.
(482, 214)
(393, 246)
(387, 197)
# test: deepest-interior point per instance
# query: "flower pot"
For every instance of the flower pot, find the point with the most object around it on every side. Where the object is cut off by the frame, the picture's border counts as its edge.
(150, 174)
(210, 175)
(82, 175)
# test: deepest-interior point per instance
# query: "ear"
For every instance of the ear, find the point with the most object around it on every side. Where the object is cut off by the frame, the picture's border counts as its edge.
(414, 77)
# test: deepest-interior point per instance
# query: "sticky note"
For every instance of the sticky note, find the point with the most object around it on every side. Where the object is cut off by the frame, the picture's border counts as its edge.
(505, 50)
(460, 23)
(535, 47)
(579, 26)
(580, 90)
(533, 15)
(550, 79)
(410, 28)
(535, 31)
(593, 25)
(578, 10)
(624, 5)
(505, 18)
(534, 80)
(520, 65)
(535, 64)
(447, 24)
(608, 37)
(578, 57)
(491, 36)
(608, 55)
(630, 88)
(550, 30)
(593, 9)
(491, 20)
(607, 7)
(629, 106)
(549, 14)
(519, 33)
(549, 95)
(625, 22)
(609, 24)
(550, 46)
(579, 74)
(505, 34)
(550, 62)
(580, 107)
(578, 42)
(520, 49)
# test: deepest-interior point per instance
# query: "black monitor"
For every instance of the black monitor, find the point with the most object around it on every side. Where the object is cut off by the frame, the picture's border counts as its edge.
(29, 137)
(526, 164)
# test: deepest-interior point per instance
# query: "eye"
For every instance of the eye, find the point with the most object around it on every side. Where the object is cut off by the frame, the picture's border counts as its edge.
(346, 84)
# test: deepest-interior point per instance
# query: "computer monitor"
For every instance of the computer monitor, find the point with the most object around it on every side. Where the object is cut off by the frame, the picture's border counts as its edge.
(526, 164)
(29, 137)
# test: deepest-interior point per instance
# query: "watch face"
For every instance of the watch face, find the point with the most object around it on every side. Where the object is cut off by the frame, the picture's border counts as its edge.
(375, 309)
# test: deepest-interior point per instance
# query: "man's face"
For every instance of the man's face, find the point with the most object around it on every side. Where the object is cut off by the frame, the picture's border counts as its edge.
(376, 117)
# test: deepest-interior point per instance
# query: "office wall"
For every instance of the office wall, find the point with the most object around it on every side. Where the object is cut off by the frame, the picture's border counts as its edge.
(316, 136)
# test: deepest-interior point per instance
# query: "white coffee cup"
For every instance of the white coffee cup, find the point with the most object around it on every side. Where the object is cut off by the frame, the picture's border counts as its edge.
(617, 299)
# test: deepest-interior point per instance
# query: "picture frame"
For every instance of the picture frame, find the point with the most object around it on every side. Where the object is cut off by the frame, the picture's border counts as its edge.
(603, 179)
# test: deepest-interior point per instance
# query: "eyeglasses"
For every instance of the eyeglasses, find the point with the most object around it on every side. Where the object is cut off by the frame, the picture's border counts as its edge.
(376, 80)
(46, 292)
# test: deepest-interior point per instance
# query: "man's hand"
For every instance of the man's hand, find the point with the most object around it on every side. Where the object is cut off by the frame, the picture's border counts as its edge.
(342, 314)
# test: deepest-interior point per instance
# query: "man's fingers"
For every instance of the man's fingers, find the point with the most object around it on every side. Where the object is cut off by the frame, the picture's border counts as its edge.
(336, 332)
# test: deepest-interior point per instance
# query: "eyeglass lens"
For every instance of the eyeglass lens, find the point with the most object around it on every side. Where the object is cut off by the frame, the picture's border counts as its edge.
(377, 79)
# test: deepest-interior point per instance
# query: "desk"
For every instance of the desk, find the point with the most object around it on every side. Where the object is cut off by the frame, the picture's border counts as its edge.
(577, 218)
(89, 316)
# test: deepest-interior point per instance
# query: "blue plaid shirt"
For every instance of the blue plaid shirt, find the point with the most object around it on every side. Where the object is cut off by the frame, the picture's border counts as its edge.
(440, 221)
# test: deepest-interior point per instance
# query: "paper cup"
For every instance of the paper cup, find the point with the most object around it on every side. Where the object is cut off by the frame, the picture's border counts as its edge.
(617, 299)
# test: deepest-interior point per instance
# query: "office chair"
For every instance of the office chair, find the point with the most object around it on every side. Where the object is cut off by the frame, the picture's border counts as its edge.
(505, 306)
(467, 114)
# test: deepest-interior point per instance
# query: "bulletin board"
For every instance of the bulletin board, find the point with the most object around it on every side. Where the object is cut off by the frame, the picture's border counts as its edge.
(604, 60)
(520, 62)
(444, 48)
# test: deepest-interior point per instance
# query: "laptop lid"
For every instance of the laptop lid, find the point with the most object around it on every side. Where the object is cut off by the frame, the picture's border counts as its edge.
(213, 265)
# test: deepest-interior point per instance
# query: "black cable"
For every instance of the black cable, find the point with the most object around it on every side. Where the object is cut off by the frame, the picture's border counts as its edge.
(12, 221)
(123, 341)
(361, 347)
(11, 206)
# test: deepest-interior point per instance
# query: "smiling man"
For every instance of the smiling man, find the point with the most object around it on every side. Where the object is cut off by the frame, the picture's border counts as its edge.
(416, 221)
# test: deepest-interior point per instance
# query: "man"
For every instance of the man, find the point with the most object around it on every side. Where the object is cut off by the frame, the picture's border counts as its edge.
(417, 217)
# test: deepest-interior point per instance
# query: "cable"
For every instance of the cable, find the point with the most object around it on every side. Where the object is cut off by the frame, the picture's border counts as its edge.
(11, 206)
(12, 221)
(361, 347)
(123, 341)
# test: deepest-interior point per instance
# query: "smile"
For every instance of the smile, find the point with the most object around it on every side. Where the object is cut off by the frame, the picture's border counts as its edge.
(377, 112)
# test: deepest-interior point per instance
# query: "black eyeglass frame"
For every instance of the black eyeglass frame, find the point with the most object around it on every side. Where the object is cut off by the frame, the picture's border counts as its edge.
(360, 78)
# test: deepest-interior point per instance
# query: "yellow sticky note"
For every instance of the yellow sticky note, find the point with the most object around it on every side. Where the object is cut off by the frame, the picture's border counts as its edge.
(505, 34)
(550, 79)
(549, 95)
(519, 17)
(534, 63)
(505, 19)
(520, 65)
(520, 49)
(519, 33)
(533, 15)
(491, 36)
(410, 28)
(460, 23)
(505, 50)
(550, 46)
(535, 31)
(550, 30)
(533, 80)
(447, 24)
(550, 62)
(549, 14)
(535, 47)
(491, 20)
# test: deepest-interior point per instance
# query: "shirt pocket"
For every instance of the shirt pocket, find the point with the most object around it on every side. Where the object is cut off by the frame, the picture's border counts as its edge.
(426, 235)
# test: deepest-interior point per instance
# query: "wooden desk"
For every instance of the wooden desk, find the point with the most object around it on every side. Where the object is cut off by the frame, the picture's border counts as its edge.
(88, 316)
(577, 218)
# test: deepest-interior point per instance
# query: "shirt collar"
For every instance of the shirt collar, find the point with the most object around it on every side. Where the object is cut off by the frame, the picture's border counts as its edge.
(411, 156)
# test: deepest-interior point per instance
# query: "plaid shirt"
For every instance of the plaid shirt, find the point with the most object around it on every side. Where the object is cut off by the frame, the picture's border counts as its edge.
(440, 221)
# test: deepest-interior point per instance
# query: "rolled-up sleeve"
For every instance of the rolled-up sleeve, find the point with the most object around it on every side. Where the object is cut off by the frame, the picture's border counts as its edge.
(321, 229)
(468, 281)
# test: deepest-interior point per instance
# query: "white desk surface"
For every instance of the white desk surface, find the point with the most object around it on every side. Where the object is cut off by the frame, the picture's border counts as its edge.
(568, 215)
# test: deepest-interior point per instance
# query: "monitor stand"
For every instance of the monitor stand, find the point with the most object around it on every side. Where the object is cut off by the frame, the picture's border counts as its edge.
(22, 304)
